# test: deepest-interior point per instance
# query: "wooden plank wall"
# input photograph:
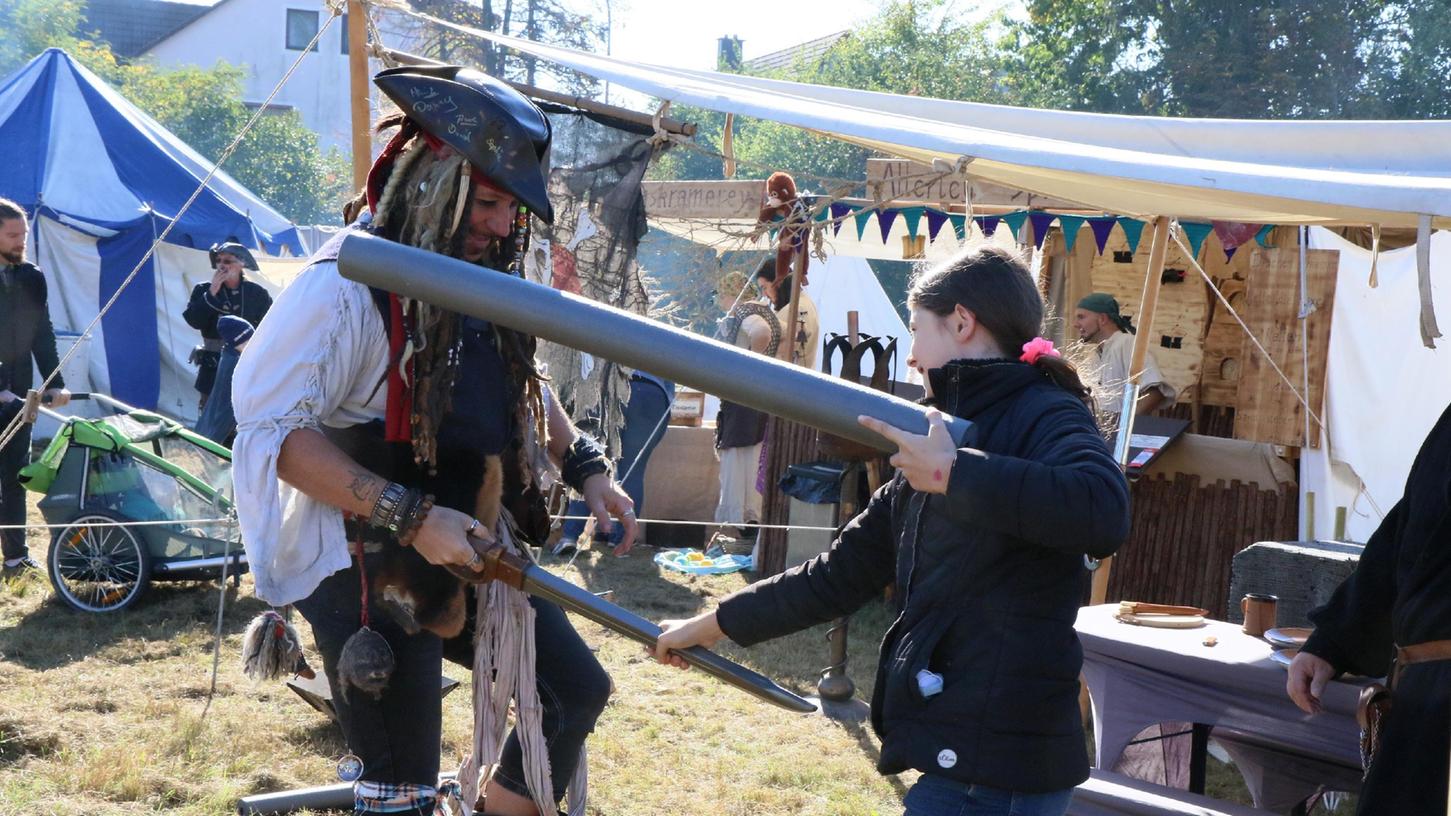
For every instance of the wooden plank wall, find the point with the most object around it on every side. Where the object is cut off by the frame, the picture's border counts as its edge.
(1181, 311)
(1184, 536)
(1267, 410)
(787, 443)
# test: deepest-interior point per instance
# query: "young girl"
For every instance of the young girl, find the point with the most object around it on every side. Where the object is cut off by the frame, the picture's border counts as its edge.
(977, 684)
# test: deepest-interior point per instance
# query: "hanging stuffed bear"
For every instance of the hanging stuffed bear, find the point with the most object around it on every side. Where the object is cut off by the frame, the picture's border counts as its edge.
(783, 204)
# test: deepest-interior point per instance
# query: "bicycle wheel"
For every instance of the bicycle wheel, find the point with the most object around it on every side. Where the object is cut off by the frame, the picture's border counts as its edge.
(96, 566)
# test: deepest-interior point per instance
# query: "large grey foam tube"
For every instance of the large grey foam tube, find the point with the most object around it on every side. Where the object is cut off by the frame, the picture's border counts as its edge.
(733, 374)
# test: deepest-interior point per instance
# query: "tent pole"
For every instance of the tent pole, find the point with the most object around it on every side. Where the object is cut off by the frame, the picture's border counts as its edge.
(357, 34)
(1148, 303)
(787, 350)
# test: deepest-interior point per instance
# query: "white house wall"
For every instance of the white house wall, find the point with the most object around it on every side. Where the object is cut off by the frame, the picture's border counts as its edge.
(252, 34)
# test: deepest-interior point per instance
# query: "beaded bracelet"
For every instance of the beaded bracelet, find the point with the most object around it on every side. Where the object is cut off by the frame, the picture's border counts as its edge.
(413, 521)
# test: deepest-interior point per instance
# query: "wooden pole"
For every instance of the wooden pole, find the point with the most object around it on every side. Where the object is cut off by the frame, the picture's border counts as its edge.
(789, 353)
(1148, 303)
(358, 92)
(667, 124)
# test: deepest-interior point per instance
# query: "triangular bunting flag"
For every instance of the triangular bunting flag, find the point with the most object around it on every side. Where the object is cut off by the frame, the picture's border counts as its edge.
(912, 216)
(1133, 231)
(1041, 221)
(959, 226)
(839, 212)
(885, 219)
(1101, 227)
(935, 220)
(1229, 254)
(987, 223)
(1263, 236)
(862, 217)
(1070, 224)
(1015, 220)
(1197, 233)
(773, 232)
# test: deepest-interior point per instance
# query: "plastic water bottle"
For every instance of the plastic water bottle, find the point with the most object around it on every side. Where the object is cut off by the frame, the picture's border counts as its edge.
(929, 683)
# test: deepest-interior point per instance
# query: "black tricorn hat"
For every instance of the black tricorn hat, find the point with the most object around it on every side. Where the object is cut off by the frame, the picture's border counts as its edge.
(235, 249)
(497, 129)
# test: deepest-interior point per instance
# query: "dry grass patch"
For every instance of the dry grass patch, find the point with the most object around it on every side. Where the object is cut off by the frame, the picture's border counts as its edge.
(107, 714)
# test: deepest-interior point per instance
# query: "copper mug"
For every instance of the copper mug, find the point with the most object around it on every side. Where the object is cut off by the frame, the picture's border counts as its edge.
(1259, 613)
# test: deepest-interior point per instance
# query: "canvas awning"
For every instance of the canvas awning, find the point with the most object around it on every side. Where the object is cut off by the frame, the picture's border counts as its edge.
(1311, 172)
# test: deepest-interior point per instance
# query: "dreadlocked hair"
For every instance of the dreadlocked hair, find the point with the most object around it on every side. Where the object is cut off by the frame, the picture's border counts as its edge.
(424, 204)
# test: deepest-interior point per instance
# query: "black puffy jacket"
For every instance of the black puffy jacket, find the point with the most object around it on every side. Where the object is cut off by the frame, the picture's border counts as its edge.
(989, 579)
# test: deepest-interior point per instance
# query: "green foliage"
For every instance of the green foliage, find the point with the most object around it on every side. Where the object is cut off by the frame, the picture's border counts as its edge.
(917, 47)
(280, 160)
(1264, 59)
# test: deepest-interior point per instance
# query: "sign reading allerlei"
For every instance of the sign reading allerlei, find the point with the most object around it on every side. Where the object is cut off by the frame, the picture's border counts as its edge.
(738, 199)
(905, 180)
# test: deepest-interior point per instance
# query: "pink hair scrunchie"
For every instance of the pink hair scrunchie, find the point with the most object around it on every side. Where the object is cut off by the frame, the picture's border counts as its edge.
(1038, 347)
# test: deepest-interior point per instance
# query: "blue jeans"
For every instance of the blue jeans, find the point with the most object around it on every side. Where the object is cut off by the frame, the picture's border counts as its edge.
(939, 796)
(217, 421)
(646, 416)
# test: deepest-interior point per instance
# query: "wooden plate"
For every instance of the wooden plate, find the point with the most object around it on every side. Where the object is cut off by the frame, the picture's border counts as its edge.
(1161, 621)
(1292, 637)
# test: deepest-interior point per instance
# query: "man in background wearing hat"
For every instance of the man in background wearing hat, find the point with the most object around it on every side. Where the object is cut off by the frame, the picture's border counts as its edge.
(1098, 322)
(227, 293)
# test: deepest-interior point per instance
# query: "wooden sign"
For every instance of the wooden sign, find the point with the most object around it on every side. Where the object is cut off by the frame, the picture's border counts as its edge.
(720, 200)
(1266, 410)
(904, 180)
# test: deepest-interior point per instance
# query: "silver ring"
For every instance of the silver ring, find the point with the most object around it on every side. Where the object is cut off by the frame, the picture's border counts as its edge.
(473, 525)
(476, 560)
(629, 513)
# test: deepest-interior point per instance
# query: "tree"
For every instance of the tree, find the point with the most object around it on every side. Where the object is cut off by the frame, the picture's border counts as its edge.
(279, 160)
(547, 21)
(1260, 59)
(917, 47)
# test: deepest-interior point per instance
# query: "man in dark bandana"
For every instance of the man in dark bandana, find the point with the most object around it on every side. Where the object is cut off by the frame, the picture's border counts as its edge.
(1099, 322)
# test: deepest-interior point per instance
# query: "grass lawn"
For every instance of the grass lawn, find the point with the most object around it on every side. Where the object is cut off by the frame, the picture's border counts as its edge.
(109, 714)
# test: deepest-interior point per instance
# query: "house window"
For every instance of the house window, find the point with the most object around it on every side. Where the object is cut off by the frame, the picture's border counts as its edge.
(301, 28)
(344, 38)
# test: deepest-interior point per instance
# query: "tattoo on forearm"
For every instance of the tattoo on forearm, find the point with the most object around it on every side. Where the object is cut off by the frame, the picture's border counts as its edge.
(364, 485)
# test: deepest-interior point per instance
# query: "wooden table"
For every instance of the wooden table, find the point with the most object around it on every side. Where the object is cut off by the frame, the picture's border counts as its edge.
(1139, 676)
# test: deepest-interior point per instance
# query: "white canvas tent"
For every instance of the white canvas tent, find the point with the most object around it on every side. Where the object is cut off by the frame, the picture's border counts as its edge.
(1386, 173)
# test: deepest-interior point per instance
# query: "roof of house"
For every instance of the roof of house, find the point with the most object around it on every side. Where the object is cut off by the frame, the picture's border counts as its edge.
(131, 27)
(806, 52)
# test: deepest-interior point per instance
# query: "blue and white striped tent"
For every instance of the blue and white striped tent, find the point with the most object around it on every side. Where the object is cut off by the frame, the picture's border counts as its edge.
(101, 181)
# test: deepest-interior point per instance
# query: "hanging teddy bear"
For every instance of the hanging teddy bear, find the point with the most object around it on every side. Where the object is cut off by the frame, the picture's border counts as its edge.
(783, 204)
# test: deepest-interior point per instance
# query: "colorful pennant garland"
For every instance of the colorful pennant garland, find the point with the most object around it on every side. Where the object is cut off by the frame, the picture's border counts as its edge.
(1070, 224)
(1133, 231)
(1101, 227)
(1041, 221)
(1196, 234)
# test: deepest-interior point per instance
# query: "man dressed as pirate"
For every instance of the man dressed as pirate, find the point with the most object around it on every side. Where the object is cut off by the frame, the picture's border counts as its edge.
(377, 434)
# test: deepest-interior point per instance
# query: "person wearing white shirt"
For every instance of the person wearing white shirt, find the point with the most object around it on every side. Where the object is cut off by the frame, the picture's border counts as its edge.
(352, 403)
(1099, 322)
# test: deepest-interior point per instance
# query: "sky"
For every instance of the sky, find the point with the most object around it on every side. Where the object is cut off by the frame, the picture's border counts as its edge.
(683, 35)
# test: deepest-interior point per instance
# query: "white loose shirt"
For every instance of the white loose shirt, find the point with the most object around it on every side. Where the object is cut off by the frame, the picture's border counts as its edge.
(318, 359)
(1114, 356)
